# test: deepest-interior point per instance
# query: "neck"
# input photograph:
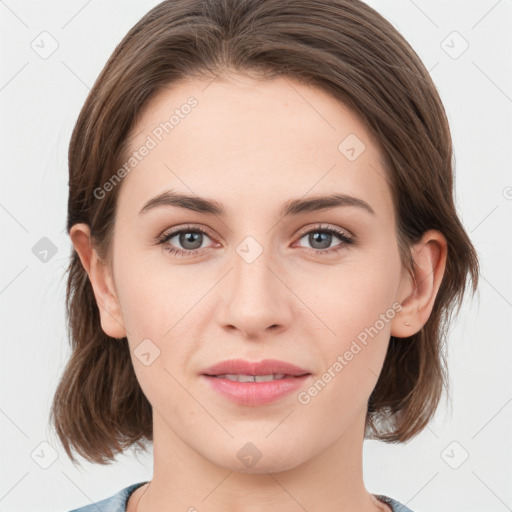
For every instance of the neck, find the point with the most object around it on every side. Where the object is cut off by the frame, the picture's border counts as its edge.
(183, 479)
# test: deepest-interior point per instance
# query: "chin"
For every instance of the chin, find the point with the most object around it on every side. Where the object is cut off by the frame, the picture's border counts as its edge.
(253, 458)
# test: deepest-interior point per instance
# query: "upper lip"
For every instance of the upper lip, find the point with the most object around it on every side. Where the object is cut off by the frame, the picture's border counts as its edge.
(264, 367)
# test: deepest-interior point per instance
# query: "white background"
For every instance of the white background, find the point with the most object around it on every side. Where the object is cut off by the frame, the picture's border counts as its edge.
(40, 100)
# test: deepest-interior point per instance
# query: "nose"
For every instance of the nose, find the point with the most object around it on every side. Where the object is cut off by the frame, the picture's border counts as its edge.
(255, 300)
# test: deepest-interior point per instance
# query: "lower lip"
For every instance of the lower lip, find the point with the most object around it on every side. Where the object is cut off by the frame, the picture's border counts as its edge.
(256, 393)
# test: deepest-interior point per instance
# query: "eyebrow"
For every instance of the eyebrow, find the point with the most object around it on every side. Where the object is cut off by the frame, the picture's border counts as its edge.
(291, 207)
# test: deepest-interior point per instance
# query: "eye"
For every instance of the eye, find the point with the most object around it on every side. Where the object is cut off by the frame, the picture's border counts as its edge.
(189, 237)
(320, 239)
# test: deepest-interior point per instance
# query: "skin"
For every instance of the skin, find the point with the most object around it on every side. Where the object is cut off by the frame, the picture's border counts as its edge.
(252, 145)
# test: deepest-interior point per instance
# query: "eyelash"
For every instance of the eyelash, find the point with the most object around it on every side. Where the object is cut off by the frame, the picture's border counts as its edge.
(346, 240)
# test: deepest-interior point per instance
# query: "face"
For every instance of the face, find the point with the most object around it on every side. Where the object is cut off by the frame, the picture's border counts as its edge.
(261, 279)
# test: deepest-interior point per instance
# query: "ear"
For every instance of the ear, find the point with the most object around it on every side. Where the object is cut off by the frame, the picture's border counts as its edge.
(101, 279)
(418, 295)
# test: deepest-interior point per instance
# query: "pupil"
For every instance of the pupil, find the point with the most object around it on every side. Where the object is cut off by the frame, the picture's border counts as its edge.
(323, 244)
(190, 237)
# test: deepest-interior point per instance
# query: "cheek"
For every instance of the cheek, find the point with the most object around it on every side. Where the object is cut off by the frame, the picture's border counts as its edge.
(354, 294)
(358, 310)
(152, 294)
(356, 307)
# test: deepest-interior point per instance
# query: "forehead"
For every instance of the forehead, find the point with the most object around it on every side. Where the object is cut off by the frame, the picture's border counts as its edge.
(239, 140)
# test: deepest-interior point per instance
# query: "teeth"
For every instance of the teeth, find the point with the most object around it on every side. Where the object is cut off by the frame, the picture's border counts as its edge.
(252, 378)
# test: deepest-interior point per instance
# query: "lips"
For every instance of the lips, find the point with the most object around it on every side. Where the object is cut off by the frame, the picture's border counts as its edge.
(255, 383)
(264, 367)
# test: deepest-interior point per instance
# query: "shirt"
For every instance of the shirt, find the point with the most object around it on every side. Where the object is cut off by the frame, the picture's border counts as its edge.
(118, 502)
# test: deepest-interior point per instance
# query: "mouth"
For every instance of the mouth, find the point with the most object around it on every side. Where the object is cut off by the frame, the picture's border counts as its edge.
(255, 383)
(255, 390)
(255, 378)
(243, 370)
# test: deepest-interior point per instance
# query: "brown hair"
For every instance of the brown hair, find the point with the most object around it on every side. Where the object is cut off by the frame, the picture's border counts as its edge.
(341, 46)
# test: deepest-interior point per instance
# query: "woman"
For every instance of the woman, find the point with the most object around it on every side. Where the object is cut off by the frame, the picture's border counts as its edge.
(266, 255)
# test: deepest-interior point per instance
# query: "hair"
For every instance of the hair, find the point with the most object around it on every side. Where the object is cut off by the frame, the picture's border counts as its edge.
(346, 49)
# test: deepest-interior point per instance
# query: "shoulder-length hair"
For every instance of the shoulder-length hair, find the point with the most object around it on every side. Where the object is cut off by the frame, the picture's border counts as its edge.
(343, 47)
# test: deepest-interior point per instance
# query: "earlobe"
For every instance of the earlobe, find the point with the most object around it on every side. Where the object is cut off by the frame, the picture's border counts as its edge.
(429, 256)
(101, 280)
